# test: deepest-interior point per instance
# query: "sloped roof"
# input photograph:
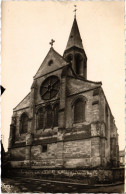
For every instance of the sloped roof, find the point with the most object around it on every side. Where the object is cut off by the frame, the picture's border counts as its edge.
(75, 85)
(57, 61)
(23, 104)
(74, 38)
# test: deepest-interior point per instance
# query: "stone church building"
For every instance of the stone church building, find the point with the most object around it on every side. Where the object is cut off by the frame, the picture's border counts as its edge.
(65, 121)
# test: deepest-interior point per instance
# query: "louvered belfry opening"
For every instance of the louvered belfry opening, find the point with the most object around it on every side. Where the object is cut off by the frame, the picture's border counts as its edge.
(78, 64)
(79, 111)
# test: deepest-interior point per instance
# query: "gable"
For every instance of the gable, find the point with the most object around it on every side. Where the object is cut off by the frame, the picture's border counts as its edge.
(75, 86)
(24, 103)
(52, 62)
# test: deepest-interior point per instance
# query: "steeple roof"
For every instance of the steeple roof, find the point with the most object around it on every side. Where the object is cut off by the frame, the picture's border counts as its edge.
(74, 38)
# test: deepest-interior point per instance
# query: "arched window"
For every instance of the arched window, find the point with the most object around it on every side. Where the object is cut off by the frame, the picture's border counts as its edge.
(49, 118)
(40, 119)
(24, 123)
(56, 109)
(78, 64)
(79, 111)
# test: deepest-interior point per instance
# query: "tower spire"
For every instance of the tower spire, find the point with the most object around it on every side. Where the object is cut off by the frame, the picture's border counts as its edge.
(74, 38)
(74, 51)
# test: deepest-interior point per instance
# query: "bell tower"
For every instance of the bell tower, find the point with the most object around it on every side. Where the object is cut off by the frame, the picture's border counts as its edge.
(75, 53)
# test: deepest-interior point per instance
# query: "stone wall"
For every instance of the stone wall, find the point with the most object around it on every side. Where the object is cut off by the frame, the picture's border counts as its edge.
(77, 149)
(69, 155)
(87, 176)
(77, 154)
(37, 152)
(111, 143)
(70, 145)
(18, 154)
(40, 159)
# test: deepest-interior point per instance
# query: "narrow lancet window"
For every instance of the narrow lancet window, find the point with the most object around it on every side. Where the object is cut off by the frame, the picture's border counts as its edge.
(40, 118)
(56, 109)
(49, 119)
(24, 123)
(79, 111)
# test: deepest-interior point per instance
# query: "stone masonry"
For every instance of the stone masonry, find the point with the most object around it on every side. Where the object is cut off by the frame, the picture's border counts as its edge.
(85, 134)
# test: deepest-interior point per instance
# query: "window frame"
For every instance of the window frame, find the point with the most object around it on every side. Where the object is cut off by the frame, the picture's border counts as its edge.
(22, 131)
(76, 100)
(55, 120)
(49, 126)
(38, 112)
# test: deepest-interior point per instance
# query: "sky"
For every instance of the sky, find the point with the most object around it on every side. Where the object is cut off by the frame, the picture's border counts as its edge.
(28, 27)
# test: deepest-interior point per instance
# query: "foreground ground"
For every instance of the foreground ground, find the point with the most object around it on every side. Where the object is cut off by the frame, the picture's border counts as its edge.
(27, 185)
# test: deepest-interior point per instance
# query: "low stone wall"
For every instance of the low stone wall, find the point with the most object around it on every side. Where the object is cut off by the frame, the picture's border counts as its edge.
(86, 176)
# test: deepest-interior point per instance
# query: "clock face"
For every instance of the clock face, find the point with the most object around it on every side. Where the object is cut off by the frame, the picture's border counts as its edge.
(50, 87)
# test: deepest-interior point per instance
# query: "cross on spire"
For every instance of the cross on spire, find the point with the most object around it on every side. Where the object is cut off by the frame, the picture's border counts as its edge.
(52, 42)
(75, 10)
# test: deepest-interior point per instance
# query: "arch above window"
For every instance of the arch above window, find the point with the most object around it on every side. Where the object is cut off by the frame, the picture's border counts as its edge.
(24, 123)
(79, 97)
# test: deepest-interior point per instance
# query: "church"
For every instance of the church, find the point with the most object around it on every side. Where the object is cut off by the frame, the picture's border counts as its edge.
(65, 122)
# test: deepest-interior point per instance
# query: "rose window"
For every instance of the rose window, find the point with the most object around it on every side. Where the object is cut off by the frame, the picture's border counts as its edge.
(49, 87)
